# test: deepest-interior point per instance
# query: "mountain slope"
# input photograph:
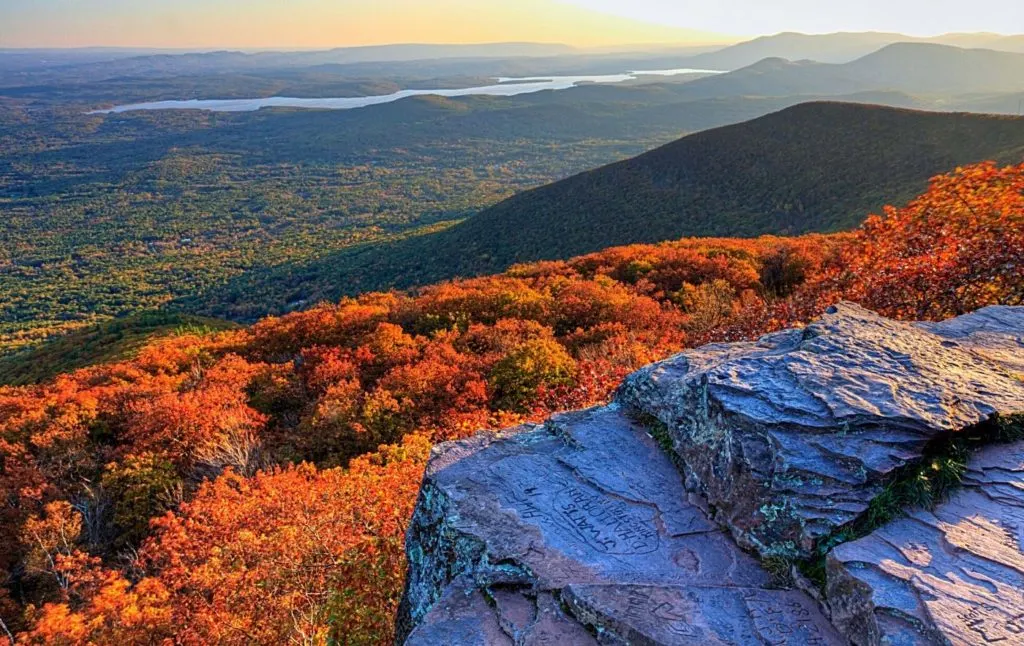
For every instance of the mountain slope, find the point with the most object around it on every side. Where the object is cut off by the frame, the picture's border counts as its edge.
(841, 47)
(322, 386)
(812, 167)
(921, 67)
(917, 68)
(824, 48)
(1008, 44)
(115, 340)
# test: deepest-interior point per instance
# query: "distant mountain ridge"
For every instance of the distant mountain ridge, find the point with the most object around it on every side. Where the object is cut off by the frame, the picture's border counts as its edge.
(548, 58)
(841, 47)
(916, 68)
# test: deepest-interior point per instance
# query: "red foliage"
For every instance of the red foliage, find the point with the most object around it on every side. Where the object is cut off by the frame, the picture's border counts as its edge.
(957, 248)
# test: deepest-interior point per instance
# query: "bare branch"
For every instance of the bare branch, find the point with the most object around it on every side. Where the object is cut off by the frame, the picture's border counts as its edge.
(7, 631)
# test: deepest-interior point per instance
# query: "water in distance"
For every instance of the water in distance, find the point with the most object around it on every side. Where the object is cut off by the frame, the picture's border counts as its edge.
(503, 87)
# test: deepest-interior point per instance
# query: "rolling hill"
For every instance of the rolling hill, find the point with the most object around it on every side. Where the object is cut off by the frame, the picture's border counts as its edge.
(823, 48)
(1007, 44)
(841, 47)
(916, 68)
(928, 68)
(815, 167)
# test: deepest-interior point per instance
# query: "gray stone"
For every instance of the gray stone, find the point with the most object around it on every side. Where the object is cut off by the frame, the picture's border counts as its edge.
(790, 438)
(465, 616)
(552, 513)
(996, 332)
(462, 616)
(951, 576)
(699, 615)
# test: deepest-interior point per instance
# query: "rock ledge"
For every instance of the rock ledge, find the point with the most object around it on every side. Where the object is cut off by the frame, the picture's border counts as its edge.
(582, 531)
(792, 436)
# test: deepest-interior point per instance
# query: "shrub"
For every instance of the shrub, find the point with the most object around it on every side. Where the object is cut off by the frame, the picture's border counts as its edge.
(540, 362)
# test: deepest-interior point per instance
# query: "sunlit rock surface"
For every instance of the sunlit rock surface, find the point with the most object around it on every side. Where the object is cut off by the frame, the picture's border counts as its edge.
(792, 436)
(589, 512)
(585, 530)
(996, 333)
(952, 576)
(467, 615)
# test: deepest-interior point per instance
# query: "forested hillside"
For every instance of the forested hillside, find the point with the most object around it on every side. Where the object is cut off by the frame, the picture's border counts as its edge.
(105, 216)
(254, 485)
(813, 167)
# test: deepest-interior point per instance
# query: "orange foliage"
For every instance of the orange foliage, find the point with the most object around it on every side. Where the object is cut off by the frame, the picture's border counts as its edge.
(256, 550)
(267, 559)
(958, 247)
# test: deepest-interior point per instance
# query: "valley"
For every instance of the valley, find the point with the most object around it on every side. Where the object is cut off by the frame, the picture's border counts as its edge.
(243, 214)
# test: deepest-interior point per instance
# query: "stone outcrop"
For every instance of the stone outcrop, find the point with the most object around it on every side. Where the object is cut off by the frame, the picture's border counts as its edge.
(585, 512)
(583, 530)
(792, 436)
(952, 575)
(468, 615)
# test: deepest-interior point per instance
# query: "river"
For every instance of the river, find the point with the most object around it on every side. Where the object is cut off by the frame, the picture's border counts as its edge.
(503, 87)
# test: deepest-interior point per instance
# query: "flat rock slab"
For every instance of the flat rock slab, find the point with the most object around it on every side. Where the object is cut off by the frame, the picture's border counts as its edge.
(997, 333)
(952, 576)
(790, 438)
(559, 510)
(712, 616)
(465, 616)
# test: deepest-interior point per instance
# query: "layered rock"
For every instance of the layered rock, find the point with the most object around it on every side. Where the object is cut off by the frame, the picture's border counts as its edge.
(583, 531)
(468, 615)
(585, 511)
(954, 575)
(790, 438)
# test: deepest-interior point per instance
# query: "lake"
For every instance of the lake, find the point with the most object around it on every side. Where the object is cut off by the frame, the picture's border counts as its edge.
(503, 87)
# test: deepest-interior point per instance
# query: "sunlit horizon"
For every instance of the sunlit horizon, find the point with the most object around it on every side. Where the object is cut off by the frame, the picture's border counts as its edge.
(320, 24)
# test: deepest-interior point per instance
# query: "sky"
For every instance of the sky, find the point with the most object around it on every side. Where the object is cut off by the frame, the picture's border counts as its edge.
(331, 23)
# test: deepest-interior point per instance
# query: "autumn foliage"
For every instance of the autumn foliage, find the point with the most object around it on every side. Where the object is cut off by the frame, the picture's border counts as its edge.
(957, 248)
(253, 486)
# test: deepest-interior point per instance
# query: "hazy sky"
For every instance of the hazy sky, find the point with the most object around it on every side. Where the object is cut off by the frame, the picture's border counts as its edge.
(318, 23)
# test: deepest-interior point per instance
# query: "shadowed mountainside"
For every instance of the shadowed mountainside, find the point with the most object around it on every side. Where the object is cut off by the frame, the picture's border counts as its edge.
(813, 167)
